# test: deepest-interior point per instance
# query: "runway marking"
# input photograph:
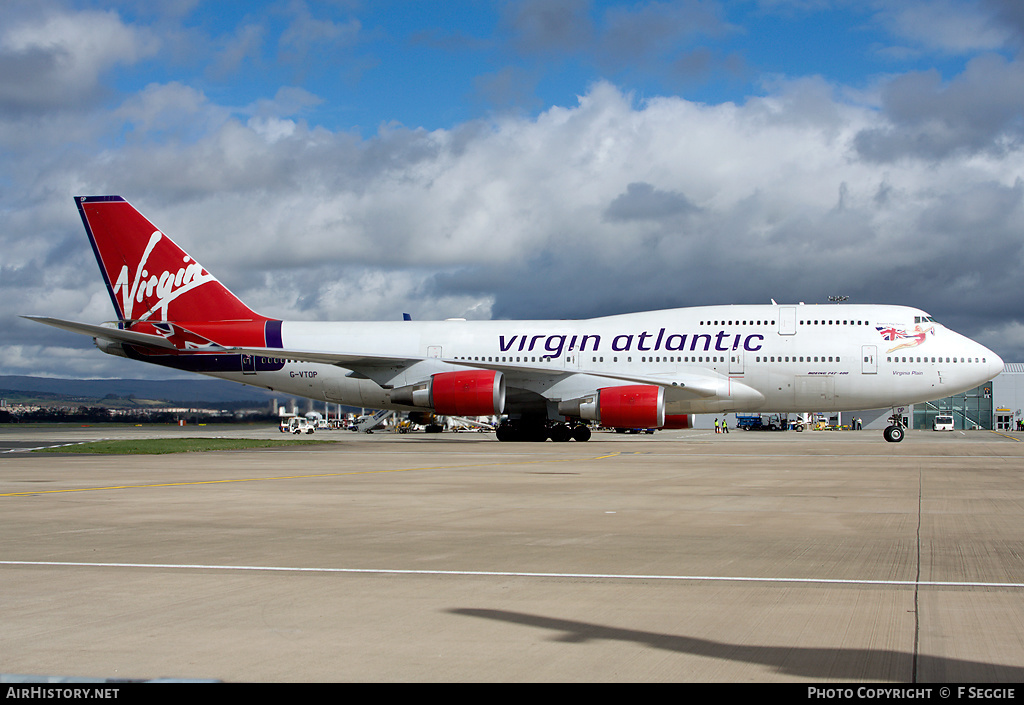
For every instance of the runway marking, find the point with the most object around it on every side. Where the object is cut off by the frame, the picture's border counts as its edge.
(1005, 436)
(301, 477)
(59, 445)
(518, 574)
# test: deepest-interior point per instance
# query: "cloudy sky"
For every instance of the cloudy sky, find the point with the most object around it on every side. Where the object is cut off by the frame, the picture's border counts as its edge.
(353, 160)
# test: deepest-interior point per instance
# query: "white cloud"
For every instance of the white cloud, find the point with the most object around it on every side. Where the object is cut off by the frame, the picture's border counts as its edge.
(171, 110)
(945, 25)
(56, 60)
(609, 205)
(977, 111)
(84, 362)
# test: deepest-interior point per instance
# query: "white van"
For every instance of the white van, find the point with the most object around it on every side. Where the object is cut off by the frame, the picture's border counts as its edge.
(943, 422)
(300, 424)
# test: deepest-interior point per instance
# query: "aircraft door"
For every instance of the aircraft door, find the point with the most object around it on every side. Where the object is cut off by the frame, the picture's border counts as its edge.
(787, 320)
(736, 362)
(249, 364)
(571, 359)
(869, 359)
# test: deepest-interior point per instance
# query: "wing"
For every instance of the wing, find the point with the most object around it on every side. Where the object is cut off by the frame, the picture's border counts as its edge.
(552, 382)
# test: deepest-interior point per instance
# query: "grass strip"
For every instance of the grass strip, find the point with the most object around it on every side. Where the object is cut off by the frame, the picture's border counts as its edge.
(160, 446)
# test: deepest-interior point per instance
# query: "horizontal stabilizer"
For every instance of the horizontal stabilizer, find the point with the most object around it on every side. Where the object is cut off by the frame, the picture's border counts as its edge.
(123, 336)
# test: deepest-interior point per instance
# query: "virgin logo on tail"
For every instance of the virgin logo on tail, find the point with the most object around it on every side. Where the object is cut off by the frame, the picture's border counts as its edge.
(165, 285)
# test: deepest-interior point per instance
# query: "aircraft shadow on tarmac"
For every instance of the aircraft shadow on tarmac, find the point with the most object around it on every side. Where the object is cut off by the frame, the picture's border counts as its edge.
(815, 663)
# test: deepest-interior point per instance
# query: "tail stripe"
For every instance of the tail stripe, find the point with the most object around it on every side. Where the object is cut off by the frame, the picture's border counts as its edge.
(272, 332)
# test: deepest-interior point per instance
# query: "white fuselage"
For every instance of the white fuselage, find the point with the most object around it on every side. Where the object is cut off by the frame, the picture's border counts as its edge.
(780, 358)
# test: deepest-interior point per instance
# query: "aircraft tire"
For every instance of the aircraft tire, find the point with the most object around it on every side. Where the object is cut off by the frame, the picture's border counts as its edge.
(560, 433)
(516, 432)
(537, 434)
(893, 434)
(506, 433)
(581, 434)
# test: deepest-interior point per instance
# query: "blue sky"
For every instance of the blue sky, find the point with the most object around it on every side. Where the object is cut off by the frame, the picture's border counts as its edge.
(518, 159)
(437, 64)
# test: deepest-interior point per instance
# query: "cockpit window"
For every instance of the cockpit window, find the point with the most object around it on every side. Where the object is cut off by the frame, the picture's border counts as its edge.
(924, 319)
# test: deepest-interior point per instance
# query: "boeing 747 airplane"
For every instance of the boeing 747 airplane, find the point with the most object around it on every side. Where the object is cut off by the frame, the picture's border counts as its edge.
(547, 378)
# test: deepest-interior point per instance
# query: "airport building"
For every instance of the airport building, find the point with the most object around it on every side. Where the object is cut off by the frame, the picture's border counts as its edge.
(997, 405)
(1008, 397)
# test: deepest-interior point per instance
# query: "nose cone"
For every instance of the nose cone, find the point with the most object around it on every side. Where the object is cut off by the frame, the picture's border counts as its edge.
(993, 362)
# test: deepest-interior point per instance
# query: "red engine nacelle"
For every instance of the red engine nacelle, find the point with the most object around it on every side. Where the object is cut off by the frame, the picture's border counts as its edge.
(632, 406)
(468, 393)
(677, 421)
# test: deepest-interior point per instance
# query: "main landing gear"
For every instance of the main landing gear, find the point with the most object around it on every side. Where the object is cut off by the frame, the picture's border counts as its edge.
(537, 430)
(894, 432)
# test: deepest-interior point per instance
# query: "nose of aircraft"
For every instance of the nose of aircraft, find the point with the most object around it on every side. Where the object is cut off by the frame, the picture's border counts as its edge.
(993, 362)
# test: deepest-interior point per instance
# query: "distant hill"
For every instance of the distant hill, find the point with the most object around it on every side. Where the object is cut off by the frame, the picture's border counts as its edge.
(171, 390)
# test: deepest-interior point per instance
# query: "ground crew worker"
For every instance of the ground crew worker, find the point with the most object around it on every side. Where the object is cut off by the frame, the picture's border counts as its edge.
(716, 426)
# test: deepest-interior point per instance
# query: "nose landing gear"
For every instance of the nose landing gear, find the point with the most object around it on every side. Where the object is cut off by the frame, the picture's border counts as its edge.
(894, 432)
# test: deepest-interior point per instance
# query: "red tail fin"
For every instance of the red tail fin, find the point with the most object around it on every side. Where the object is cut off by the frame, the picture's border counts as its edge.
(148, 276)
